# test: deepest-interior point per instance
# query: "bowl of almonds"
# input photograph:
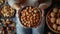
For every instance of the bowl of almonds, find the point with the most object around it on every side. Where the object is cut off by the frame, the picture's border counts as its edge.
(30, 16)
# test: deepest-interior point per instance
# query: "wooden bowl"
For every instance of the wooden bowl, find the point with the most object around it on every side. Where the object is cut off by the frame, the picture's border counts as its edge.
(48, 22)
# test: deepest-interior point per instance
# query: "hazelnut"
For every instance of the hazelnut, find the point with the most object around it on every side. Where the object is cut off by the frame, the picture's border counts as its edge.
(58, 28)
(55, 26)
(58, 21)
(55, 10)
(53, 20)
(52, 14)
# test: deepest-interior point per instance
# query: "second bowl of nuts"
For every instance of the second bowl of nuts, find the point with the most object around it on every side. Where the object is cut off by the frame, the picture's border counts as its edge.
(7, 11)
(30, 16)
